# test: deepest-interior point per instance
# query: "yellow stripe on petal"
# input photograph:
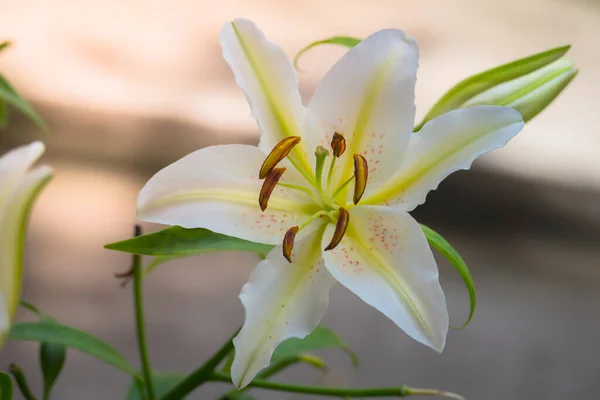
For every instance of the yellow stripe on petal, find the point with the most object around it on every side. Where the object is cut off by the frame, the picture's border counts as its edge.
(444, 145)
(282, 300)
(268, 78)
(384, 259)
(13, 219)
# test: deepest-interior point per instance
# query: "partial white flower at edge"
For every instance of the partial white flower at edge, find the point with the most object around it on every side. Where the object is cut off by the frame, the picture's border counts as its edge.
(348, 222)
(19, 187)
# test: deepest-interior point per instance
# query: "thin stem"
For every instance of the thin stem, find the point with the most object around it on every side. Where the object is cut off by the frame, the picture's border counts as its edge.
(330, 174)
(309, 178)
(17, 373)
(296, 187)
(139, 322)
(277, 367)
(202, 375)
(401, 391)
(342, 186)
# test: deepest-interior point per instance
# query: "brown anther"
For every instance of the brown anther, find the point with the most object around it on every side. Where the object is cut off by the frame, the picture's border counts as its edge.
(288, 242)
(279, 152)
(268, 187)
(338, 144)
(340, 229)
(361, 175)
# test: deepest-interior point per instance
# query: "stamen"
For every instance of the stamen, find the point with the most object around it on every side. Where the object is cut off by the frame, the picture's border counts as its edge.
(340, 229)
(338, 144)
(288, 242)
(361, 175)
(342, 186)
(330, 174)
(279, 152)
(320, 153)
(296, 187)
(268, 187)
(290, 235)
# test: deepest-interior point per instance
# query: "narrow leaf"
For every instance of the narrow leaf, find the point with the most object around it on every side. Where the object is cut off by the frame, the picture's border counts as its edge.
(346, 41)
(52, 360)
(3, 115)
(321, 338)
(468, 88)
(163, 383)
(10, 96)
(178, 241)
(64, 335)
(6, 386)
(440, 244)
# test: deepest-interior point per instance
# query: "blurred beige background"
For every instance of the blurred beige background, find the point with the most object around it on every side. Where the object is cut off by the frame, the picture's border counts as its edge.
(128, 87)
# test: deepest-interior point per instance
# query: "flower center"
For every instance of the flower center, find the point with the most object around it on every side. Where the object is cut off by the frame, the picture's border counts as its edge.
(323, 193)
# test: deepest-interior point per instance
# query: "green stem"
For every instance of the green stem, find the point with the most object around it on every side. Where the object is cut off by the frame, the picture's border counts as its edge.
(330, 174)
(342, 186)
(17, 373)
(139, 322)
(401, 391)
(277, 367)
(202, 375)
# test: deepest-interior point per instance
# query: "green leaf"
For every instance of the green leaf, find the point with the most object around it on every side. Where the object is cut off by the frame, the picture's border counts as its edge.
(440, 244)
(70, 337)
(10, 96)
(52, 355)
(158, 260)
(6, 386)
(346, 41)
(52, 360)
(177, 241)
(468, 88)
(321, 338)
(163, 383)
(3, 115)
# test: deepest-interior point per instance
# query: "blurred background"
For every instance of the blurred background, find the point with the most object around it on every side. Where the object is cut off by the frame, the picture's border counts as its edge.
(129, 87)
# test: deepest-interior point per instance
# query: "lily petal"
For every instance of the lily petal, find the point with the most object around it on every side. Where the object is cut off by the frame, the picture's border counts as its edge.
(13, 167)
(217, 188)
(368, 96)
(13, 219)
(282, 300)
(269, 81)
(385, 260)
(444, 145)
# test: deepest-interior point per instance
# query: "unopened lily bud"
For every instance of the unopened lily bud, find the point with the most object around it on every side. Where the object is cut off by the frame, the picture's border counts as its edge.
(528, 85)
(531, 93)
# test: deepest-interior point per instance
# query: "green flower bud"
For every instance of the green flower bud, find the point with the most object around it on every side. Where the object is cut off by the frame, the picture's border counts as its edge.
(531, 93)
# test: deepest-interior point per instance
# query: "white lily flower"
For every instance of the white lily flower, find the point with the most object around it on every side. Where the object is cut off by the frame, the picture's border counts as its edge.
(19, 186)
(364, 237)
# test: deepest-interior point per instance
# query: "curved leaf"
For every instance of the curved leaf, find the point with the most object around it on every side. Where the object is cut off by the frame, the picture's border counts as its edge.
(52, 360)
(49, 332)
(177, 241)
(440, 244)
(10, 96)
(346, 41)
(6, 386)
(321, 338)
(468, 88)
